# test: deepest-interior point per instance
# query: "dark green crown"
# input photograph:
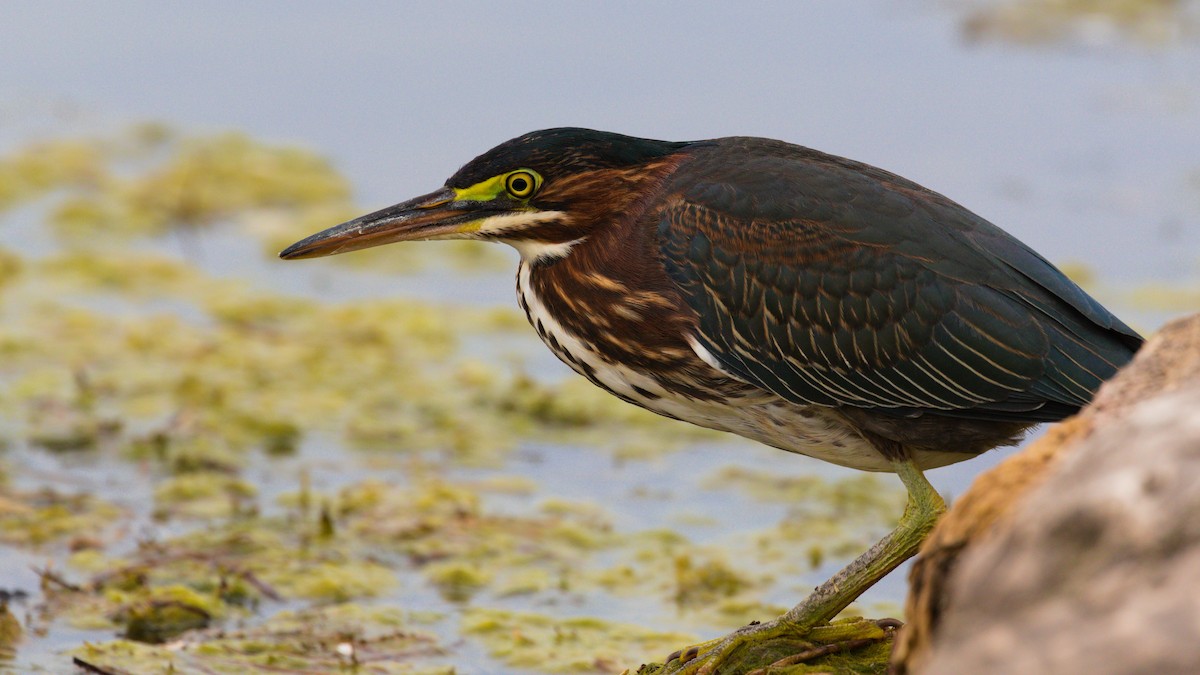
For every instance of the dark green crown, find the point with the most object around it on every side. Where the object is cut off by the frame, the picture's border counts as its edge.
(562, 151)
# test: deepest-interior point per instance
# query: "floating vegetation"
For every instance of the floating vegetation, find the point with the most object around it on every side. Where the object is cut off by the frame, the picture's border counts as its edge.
(1087, 22)
(166, 587)
(1165, 298)
(33, 171)
(341, 638)
(202, 494)
(704, 582)
(187, 386)
(211, 477)
(46, 516)
(188, 182)
(103, 193)
(172, 610)
(565, 645)
(338, 549)
(11, 266)
(167, 590)
(240, 370)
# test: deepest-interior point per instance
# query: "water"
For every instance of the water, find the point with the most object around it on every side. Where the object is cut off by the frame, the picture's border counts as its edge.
(1088, 154)
(1091, 154)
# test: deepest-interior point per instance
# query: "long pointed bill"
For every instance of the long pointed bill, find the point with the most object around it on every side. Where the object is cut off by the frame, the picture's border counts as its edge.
(436, 215)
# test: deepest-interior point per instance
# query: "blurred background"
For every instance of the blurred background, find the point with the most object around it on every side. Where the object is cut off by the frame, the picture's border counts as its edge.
(198, 436)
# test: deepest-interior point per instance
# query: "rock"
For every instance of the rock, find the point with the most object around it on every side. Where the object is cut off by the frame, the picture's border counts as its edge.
(1082, 553)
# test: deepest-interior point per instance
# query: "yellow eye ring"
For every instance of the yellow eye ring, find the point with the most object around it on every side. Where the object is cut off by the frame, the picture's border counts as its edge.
(521, 184)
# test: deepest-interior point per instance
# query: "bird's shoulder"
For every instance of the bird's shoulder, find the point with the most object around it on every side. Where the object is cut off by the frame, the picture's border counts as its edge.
(760, 181)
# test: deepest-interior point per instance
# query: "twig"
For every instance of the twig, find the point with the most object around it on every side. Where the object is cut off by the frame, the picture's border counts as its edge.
(261, 586)
(816, 652)
(100, 670)
(47, 575)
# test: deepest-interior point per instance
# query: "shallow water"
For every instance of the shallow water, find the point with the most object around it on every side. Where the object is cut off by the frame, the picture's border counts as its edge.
(1087, 150)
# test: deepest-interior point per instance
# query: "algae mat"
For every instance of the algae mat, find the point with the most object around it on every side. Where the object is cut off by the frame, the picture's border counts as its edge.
(205, 473)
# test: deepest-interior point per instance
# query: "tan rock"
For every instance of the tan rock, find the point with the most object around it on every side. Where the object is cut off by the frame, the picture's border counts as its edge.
(1082, 553)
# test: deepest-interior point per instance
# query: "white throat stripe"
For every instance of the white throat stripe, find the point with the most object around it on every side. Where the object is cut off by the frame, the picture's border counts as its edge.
(534, 251)
(498, 226)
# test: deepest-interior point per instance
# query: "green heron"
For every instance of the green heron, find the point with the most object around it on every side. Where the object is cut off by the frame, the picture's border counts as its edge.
(813, 303)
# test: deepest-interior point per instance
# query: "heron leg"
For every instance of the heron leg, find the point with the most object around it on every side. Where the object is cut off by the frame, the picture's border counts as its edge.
(924, 507)
(921, 513)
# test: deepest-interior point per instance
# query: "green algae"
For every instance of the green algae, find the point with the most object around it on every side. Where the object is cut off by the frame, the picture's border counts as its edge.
(32, 171)
(457, 581)
(41, 517)
(704, 582)
(1164, 297)
(203, 494)
(191, 395)
(263, 367)
(462, 549)
(151, 179)
(195, 387)
(564, 645)
(820, 510)
(11, 267)
(334, 580)
(860, 492)
(1040, 22)
(247, 368)
(826, 518)
(167, 587)
(171, 610)
(706, 589)
(340, 638)
(194, 182)
(137, 274)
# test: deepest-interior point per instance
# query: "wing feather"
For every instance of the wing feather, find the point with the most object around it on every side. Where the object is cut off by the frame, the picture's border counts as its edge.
(833, 283)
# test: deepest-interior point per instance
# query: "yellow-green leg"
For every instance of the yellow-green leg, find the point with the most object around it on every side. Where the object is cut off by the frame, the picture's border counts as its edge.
(924, 507)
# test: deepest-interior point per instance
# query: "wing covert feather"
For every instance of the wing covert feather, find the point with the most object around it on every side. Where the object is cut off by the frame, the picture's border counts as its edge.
(830, 282)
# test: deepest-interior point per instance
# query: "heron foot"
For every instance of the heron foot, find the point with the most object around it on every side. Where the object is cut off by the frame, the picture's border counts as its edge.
(807, 630)
(760, 648)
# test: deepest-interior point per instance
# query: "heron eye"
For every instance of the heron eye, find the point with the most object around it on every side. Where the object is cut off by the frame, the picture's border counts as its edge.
(521, 184)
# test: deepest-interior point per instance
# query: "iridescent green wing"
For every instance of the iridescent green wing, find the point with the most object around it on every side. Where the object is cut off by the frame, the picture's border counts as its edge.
(830, 282)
